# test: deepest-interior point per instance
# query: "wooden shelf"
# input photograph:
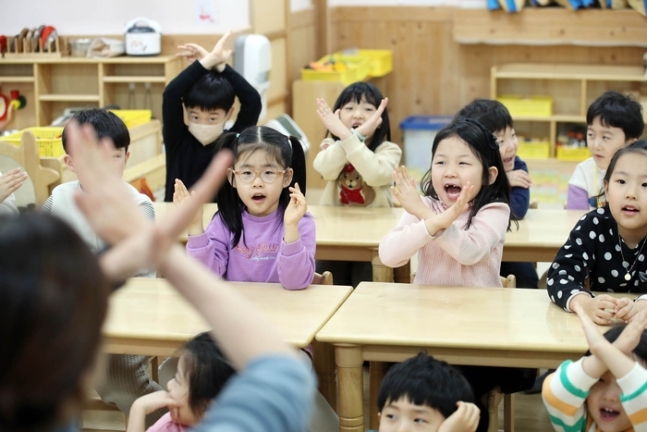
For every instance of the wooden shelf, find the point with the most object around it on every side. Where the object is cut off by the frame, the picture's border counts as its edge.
(85, 60)
(570, 72)
(562, 118)
(134, 79)
(68, 98)
(16, 79)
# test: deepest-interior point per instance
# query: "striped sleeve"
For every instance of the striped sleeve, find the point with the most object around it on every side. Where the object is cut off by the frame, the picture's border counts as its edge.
(564, 393)
(634, 397)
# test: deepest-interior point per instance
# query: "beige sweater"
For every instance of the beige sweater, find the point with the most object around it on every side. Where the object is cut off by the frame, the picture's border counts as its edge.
(375, 168)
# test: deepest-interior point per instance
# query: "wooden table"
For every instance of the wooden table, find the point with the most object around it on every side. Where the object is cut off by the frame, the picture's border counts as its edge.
(148, 317)
(467, 326)
(540, 235)
(343, 234)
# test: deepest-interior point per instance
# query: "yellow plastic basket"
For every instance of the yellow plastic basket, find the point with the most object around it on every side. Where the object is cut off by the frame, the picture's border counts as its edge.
(574, 154)
(350, 71)
(48, 139)
(538, 106)
(534, 149)
(380, 61)
(134, 118)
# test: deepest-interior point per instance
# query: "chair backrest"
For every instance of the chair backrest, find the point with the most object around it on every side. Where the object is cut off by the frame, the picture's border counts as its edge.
(322, 279)
(509, 282)
(28, 157)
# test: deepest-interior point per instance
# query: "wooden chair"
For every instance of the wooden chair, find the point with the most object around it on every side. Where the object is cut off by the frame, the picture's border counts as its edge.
(323, 358)
(28, 158)
(495, 396)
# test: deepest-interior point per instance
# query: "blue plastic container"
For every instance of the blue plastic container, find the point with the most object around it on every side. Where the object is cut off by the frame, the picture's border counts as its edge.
(418, 134)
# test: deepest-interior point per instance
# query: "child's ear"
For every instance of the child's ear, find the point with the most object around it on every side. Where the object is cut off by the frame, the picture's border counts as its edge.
(287, 177)
(185, 115)
(68, 162)
(630, 141)
(229, 113)
(494, 172)
(127, 156)
(230, 177)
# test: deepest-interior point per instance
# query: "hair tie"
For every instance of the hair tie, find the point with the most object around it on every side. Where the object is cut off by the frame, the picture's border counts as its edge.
(237, 134)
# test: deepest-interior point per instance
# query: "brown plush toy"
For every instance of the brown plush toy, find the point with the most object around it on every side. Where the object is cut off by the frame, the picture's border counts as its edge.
(353, 190)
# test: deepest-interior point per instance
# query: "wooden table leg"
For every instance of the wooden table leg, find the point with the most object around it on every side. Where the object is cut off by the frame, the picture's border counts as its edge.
(381, 273)
(402, 274)
(350, 388)
(324, 364)
(378, 370)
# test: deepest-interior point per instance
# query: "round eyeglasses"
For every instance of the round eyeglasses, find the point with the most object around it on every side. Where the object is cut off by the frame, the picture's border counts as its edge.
(268, 176)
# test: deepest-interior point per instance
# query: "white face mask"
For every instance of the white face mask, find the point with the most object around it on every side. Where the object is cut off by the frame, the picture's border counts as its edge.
(206, 134)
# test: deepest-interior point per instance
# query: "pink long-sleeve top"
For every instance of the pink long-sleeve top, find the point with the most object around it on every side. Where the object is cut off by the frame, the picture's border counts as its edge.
(263, 256)
(454, 256)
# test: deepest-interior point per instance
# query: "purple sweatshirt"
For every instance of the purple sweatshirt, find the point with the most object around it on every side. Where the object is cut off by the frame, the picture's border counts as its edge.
(261, 255)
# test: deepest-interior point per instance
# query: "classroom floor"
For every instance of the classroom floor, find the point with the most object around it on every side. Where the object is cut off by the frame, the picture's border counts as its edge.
(530, 415)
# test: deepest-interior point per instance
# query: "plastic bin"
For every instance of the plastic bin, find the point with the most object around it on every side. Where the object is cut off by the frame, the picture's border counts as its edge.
(534, 149)
(380, 61)
(535, 106)
(48, 139)
(134, 118)
(352, 70)
(418, 134)
(573, 154)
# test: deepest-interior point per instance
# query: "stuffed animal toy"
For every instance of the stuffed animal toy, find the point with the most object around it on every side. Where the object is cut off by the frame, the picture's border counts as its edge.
(353, 190)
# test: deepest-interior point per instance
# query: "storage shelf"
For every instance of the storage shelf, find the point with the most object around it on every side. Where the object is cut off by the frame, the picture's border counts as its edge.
(564, 118)
(16, 79)
(134, 79)
(68, 98)
(570, 72)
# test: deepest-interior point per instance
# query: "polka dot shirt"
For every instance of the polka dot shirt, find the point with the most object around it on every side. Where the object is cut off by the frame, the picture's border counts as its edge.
(594, 249)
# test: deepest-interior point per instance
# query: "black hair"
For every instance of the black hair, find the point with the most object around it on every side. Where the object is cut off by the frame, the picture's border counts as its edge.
(53, 301)
(286, 150)
(483, 145)
(370, 93)
(425, 381)
(212, 91)
(617, 110)
(614, 333)
(106, 124)
(636, 147)
(207, 371)
(490, 113)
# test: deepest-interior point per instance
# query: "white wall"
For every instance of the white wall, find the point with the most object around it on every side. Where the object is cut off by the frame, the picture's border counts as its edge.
(299, 5)
(456, 3)
(109, 17)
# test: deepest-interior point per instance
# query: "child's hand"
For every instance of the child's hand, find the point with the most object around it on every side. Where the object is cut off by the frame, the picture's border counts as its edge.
(331, 120)
(594, 338)
(446, 218)
(192, 52)
(369, 126)
(464, 419)
(630, 336)
(11, 182)
(217, 57)
(627, 309)
(154, 401)
(296, 208)
(180, 194)
(600, 309)
(519, 178)
(406, 193)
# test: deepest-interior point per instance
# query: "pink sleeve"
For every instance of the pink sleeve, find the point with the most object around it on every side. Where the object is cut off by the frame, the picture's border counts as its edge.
(403, 241)
(165, 424)
(296, 261)
(487, 230)
(577, 198)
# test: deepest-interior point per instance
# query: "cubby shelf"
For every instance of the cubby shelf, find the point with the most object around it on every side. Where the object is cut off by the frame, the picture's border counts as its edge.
(16, 79)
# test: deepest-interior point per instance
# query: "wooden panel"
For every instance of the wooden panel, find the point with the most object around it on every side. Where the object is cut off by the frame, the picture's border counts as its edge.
(278, 73)
(551, 26)
(268, 15)
(302, 42)
(434, 74)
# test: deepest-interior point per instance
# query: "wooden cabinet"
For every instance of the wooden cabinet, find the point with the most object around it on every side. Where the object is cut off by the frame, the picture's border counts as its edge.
(572, 87)
(51, 85)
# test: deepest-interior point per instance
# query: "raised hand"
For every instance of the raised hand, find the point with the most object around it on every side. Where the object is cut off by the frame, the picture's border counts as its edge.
(11, 182)
(464, 419)
(331, 120)
(446, 218)
(296, 208)
(218, 55)
(369, 126)
(180, 194)
(406, 193)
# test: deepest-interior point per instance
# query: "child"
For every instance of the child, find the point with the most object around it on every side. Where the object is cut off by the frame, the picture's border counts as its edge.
(205, 91)
(127, 378)
(10, 182)
(201, 375)
(424, 394)
(262, 231)
(613, 121)
(606, 246)
(605, 390)
(496, 118)
(55, 291)
(357, 162)
(459, 226)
